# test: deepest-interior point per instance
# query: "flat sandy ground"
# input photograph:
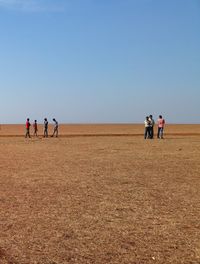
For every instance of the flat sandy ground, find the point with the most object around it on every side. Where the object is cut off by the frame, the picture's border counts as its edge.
(100, 199)
(100, 129)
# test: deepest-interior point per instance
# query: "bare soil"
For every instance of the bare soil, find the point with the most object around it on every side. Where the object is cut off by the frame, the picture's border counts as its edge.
(100, 129)
(100, 199)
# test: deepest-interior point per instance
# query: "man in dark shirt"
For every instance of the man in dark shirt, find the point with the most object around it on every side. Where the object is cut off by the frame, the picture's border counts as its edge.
(46, 127)
(152, 123)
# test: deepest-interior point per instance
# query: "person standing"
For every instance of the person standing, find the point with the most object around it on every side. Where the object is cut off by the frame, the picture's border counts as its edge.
(55, 131)
(151, 129)
(35, 127)
(46, 123)
(27, 128)
(161, 124)
(146, 128)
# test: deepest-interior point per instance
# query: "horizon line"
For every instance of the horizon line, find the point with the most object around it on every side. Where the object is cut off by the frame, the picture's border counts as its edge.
(104, 123)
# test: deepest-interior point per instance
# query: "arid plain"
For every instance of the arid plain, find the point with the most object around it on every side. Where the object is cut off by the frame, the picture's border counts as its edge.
(100, 194)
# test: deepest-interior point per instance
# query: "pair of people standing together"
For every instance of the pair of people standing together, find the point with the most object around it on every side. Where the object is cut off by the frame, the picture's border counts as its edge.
(55, 131)
(149, 127)
(35, 127)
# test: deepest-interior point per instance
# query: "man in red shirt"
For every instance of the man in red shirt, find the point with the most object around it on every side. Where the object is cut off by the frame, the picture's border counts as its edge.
(161, 124)
(28, 128)
(35, 128)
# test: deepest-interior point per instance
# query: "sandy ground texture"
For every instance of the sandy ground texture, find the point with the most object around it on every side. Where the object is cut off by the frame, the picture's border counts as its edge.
(100, 200)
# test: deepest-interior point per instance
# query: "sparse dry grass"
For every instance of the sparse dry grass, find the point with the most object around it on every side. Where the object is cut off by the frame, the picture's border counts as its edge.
(100, 200)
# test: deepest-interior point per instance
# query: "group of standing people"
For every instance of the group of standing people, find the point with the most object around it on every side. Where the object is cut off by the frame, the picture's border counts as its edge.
(149, 124)
(46, 125)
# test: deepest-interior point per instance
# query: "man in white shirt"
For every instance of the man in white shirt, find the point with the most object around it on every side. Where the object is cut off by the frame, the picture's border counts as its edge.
(146, 128)
(55, 131)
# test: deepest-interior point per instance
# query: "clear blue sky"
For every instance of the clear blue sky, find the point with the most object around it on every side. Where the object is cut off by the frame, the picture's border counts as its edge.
(99, 61)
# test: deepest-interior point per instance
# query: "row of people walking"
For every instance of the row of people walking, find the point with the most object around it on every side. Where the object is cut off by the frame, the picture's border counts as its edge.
(46, 125)
(149, 124)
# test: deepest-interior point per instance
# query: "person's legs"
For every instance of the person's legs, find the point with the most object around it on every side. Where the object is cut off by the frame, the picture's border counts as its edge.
(158, 134)
(150, 132)
(161, 132)
(28, 133)
(54, 131)
(45, 133)
(145, 132)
